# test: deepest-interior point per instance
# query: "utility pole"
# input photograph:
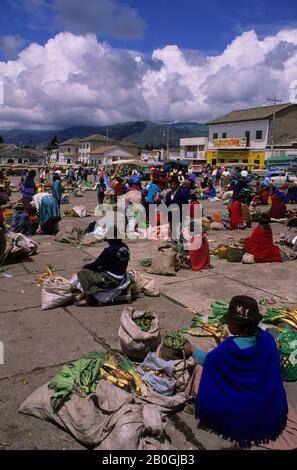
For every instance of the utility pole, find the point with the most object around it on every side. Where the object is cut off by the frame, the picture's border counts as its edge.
(274, 101)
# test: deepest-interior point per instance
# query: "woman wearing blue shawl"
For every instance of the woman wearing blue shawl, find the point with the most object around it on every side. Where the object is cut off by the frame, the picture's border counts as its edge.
(241, 394)
(49, 212)
(28, 188)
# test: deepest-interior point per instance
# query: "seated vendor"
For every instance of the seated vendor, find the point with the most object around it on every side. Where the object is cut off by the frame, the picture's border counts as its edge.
(278, 209)
(107, 273)
(241, 393)
(260, 243)
(20, 221)
(236, 218)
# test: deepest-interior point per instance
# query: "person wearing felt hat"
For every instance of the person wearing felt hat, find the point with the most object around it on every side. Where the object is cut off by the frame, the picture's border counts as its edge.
(241, 394)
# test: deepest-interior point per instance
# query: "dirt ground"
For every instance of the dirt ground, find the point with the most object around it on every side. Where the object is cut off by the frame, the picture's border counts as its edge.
(37, 343)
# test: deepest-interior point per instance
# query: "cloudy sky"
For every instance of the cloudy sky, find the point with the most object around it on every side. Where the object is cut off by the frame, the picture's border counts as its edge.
(75, 62)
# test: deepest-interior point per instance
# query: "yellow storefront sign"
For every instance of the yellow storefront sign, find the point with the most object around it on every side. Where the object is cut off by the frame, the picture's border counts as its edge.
(231, 142)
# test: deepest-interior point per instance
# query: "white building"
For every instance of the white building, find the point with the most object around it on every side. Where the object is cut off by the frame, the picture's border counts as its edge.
(104, 156)
(12, 154)
(92, 143)
(245, 136)
(194, 149)
(66, 153)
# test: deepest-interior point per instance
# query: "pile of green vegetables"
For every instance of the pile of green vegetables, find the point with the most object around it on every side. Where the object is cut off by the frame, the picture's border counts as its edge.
(146, 263)
(218, 312)
(175, 340)
(144, 323)
(80, 377)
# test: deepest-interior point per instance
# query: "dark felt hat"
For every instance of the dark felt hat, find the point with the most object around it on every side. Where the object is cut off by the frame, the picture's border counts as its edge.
(243, 310)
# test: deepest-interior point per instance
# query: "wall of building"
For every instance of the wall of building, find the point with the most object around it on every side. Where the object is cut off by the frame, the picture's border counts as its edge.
(285, 127)
(238, 129)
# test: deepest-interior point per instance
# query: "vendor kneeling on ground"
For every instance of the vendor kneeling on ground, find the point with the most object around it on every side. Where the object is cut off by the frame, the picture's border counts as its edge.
(105, 278)
(260, 243)
(241, 394)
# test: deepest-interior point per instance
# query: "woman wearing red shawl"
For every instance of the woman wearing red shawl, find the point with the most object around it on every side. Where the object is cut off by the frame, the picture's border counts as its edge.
(265, 196)
(198, 247)
(278, 209)
(236, 219)
(260, 243)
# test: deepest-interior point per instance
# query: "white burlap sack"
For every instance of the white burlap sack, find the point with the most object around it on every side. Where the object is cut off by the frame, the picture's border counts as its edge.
(145, 284)
(248, 259)
(136, 343)
(56, 291)
(79, 211)
(165, 261)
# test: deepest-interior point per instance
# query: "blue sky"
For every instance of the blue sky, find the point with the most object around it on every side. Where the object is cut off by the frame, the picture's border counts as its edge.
(191, 24)
(94, 62)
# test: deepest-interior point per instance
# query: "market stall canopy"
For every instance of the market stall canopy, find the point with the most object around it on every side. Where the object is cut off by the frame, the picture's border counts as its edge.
(276, 160)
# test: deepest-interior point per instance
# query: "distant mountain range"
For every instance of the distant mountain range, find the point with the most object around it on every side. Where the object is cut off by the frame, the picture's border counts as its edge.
(145, 134)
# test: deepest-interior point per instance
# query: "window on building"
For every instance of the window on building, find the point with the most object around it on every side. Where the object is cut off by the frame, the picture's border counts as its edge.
(224, 135)
(248, 137)
(222, 160)
(191, 148)
(259, 135)
(215, 135)
(69, 150)
(201, 148)
(257, 162)
(84, 146)
(245, 161)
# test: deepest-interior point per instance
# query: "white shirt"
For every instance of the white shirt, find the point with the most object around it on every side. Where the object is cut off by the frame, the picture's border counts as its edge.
(244, 173)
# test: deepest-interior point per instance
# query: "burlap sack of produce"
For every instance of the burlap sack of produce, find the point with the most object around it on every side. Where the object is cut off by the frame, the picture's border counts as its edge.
(246, 215)
(79, 416)
(134, 342)
(145, 284)
(165, 261)
(135, 427)
(79, 211)
(56, 292)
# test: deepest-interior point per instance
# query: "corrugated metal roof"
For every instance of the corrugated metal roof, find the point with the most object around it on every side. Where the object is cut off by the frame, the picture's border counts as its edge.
(250, 114)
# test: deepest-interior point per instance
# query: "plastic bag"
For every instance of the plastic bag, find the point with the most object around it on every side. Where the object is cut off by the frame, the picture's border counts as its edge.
(56, 291)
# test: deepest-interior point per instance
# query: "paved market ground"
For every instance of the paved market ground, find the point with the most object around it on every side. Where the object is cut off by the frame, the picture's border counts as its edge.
(38, 343)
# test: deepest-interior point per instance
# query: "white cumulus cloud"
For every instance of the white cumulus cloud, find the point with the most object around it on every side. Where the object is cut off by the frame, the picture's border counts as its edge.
(78, 80)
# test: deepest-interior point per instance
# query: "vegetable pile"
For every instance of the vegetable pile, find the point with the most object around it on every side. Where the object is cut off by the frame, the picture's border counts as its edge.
(281, 314)
(144, 324)
(214, 329)
(218, 312)
(82, 376)
(175, 339)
